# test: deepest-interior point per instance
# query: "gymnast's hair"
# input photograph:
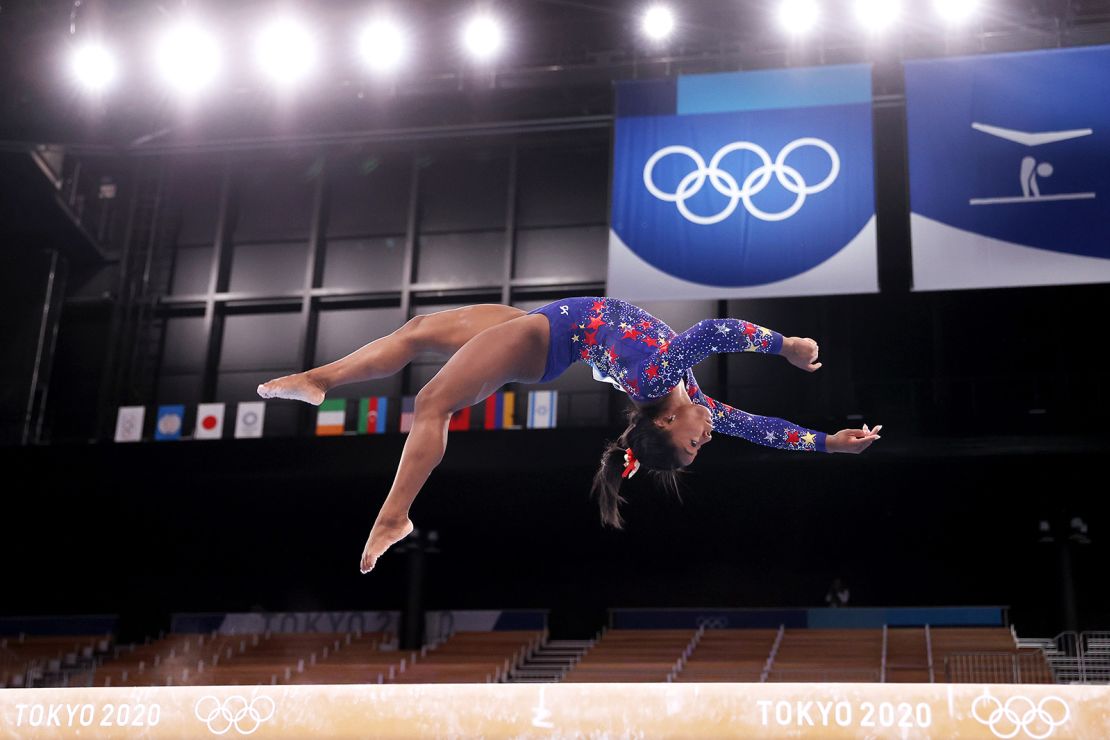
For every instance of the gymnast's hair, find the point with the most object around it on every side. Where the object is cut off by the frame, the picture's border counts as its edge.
(651, 445)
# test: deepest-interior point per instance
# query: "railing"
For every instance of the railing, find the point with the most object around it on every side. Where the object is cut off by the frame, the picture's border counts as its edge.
(997, 668)
(1082, 657)
(771, 657)
(882, 674)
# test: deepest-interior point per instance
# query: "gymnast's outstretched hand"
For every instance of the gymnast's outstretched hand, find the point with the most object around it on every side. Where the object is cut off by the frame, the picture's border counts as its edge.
(852, 440)
(801, 352)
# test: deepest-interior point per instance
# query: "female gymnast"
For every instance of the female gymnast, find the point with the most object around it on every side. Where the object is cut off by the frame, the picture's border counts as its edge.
(491, 345)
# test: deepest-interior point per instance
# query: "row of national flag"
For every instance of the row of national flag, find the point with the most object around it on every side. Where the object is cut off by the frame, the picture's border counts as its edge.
(499, 411)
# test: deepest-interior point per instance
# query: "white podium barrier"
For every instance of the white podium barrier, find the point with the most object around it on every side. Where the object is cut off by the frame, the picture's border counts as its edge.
(562, 710)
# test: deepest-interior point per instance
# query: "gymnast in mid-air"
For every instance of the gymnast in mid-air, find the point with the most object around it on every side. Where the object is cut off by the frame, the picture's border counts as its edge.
(490, 345)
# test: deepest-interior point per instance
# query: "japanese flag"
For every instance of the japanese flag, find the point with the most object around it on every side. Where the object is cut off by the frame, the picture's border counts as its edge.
(210, 421)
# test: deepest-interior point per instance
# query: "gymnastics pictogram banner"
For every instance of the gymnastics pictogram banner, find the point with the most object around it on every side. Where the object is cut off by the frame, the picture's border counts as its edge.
(744, 184)
(1009, 159)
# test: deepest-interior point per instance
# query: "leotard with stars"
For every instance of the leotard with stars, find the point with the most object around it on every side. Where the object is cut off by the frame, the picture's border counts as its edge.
(639, 354)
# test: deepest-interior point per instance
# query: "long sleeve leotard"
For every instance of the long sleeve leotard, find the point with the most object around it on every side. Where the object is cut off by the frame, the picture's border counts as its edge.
(641, 355)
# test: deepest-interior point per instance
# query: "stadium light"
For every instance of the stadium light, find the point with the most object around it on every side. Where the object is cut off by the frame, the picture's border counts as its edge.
(285, 51)
(188, 57)
(877, 15)
(483, 37)
(658, 22)
(956, 11)
(382, 45)
(798, 16)
(93, 66)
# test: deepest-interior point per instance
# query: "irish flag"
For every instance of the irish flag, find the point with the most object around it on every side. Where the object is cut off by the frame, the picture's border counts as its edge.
(499, 411)
(372, 415)
(331, 419)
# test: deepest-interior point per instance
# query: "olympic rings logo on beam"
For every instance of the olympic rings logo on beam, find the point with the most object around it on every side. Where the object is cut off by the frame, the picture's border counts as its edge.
(725, 184)
(234, 711)
(1019, 714)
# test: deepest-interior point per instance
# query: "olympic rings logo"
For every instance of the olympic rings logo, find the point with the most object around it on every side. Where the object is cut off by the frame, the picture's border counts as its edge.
(234, 711)
(1020, 714)
(725, 184)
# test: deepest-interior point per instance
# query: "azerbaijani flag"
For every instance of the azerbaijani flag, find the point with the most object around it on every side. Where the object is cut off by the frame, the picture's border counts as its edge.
(408, 410)
(331, 419)
(372, 415)
(499, 411)
(460, 420)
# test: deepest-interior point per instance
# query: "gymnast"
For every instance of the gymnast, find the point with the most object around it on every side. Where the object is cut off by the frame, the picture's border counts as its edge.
(490, 345)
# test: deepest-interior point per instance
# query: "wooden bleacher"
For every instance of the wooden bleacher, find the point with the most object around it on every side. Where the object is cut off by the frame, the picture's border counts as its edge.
(729, 655)
(631, 656)
(828, 655)
(24, 653)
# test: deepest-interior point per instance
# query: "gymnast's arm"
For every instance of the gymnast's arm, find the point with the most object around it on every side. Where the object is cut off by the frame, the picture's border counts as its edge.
(771, 431)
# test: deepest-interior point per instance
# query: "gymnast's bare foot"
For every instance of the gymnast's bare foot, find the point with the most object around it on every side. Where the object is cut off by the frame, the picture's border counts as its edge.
(385, 533)
(298, 387)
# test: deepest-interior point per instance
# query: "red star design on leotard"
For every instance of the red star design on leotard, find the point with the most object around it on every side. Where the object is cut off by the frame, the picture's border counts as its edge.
(599, 306)
(612, 355)
(591, 337)
(664, 346)
(749, 329)
(652, 371)
(585, 354)
(634, 384)
(792, 437)
(596, 322)
(765, 342)
(711, 402)
(650, 341)
(645, 324)
(631, 334)
(693, 390)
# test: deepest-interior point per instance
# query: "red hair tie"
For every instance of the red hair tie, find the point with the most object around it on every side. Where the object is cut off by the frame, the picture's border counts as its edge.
(631, 464)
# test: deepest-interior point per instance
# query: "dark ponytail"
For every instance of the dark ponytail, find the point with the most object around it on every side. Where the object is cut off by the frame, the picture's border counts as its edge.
(652, 447)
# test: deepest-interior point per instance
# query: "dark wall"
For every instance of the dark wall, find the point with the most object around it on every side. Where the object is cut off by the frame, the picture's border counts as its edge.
(146, 529)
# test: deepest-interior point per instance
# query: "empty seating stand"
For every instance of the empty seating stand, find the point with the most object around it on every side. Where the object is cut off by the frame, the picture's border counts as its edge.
(632, 656)
(29, 660)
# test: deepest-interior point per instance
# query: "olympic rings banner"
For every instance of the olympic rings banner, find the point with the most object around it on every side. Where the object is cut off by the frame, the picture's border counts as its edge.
(657, 710)
(1009, 158)
(744, 184)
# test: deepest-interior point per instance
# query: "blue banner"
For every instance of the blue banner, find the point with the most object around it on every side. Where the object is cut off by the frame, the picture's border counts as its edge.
(744, 184)
(1009, 158)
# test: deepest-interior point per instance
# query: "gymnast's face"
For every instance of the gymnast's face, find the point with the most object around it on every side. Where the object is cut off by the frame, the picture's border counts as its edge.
(690, 427)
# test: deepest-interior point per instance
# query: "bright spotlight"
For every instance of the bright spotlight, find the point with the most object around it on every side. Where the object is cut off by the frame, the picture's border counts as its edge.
(483, 37)
(798, 16)
(877, 15)
(382, 45)
(188, 57)
(93, 66)
(286, 51)
(956, 11)
(658, 22)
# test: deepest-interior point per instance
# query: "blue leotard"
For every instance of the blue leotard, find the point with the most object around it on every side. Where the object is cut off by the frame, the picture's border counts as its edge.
(641, 355)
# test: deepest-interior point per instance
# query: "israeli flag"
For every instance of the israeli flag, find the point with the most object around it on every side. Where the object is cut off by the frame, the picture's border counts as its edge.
(542, 408)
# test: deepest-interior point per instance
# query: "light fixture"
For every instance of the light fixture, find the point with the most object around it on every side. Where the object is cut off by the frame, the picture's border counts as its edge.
(285, 51)
(382, 45)
(658, 22)
(798, 16)
(877, 15)
(187, 57)
(483, 37)
(93, 66)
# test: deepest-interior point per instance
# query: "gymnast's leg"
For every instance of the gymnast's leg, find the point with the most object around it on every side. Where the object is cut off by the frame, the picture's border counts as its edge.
(442, 332)
(514, 351)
